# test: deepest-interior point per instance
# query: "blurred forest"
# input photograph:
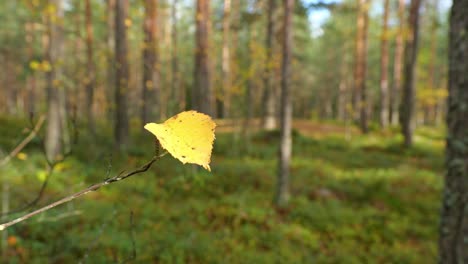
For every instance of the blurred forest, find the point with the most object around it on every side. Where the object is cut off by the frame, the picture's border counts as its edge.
(331, 130)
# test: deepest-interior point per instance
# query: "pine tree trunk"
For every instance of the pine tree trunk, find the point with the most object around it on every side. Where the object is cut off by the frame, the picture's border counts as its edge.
(453, 239)
(361, 63)
(91, 69)
(121, 75)
(110, 56)
(269, 117)
(282, 192)
(151, 106)
(177, 91)
(202, 90)
(397, 65)
(384, 68)
(407, 105)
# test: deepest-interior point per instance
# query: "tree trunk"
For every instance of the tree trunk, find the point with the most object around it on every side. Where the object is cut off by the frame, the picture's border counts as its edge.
(384, 68)
(121, 75)
(201, 93)
(110, 56)
(407, 105)
(56, 136)
(269, 117)
(177, 91)
(91, 69)
(282, 192)
(453, 243)
(433, 61)
(361, 62)
(31, 79)
(397, 65)
(151, 107)
(226, 59)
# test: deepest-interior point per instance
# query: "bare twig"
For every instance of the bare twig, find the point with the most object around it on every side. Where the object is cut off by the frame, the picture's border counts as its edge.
(91, 188)
(24, 142)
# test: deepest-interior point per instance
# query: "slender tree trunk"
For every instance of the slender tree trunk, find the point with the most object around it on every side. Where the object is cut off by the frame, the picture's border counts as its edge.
(453, 243)
(269, 117)
(177, 91)
(56, 135)
(31, 79)
(397, 65)
(150, 95)
(407, 105)
(226, 59)
(202, 90)
(433, 60)
(282, 192)
(361, 62)
(121, 75)
(110, 58)
(91, 69)
(384, 68)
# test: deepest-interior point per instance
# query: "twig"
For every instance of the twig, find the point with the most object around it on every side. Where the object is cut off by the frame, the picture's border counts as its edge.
(23, 143)
(91, 188)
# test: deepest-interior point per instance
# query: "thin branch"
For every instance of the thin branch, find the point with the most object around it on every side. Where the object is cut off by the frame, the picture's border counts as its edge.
(91, 188)
(23, 143)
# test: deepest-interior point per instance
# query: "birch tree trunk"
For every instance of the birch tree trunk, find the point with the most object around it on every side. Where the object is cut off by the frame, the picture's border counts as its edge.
(269, 117)
(282, 192)
(56, 138)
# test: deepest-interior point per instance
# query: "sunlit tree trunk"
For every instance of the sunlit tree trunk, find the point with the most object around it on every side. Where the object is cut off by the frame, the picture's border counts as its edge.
(384, 68)
(408, 102)
(282, 192)
(361, 63)
(121, 75)
(453, 243)
(56, 139)
(202, 90)
(269, 117)
(90, 69)
(151, 106)
(397, 65)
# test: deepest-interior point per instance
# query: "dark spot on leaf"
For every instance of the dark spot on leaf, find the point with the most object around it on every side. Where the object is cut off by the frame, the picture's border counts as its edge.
(183, 157)
(193, 148)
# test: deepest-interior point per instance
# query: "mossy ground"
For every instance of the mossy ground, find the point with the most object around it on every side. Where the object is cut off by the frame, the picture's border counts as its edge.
(364, 199)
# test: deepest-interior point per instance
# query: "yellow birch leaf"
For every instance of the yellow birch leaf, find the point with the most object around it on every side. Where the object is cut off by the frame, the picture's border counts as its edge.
(187, 136)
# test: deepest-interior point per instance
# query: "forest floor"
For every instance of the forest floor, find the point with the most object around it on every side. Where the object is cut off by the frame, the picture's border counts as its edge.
(354, 199)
